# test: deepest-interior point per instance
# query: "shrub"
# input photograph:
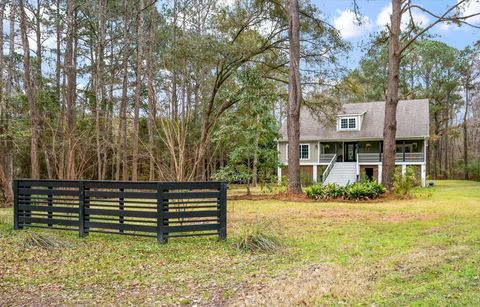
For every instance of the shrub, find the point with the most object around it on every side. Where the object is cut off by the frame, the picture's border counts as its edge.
(403, 184)
(354, 191)
(258, 237)
(474, 170)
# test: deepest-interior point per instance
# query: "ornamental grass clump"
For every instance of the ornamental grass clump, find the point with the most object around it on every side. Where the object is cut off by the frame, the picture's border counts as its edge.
(259, 237)
(33, 239)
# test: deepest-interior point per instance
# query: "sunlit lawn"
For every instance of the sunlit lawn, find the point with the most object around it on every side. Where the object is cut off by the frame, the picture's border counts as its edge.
(423, 251)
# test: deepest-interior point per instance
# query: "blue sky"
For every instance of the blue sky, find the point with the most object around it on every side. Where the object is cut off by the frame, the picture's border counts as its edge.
(376, 12)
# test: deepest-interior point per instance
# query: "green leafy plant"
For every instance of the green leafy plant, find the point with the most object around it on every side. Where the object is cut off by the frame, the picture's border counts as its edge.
(474, 170)
(403, 184)
(354, 191)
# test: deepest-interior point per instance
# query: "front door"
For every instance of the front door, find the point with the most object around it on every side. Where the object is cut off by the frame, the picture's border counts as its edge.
(350, 152)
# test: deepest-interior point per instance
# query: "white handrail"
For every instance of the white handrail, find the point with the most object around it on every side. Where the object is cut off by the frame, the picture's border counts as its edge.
(357, 170)
(326, 172)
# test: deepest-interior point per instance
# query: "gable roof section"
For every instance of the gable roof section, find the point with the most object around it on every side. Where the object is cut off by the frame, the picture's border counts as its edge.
(413, 121)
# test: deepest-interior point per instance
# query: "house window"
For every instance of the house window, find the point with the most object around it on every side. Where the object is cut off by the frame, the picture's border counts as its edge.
(304, 151)
(348, 123)
(352, 123)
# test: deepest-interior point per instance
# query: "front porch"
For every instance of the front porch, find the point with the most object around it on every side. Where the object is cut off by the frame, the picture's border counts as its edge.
(365, 155)
(368, 152)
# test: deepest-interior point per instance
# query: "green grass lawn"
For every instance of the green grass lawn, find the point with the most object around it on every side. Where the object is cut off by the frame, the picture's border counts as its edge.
(423, 251)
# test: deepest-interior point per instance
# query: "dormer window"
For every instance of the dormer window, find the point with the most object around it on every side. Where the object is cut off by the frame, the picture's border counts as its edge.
(348, 123)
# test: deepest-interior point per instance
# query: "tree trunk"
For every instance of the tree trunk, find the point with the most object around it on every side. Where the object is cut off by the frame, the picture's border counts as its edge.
(465, 135)
(70, 68)
(294, 100)
(255, 155)
(122, 151)
(38, 33)
(138, 88)
(100, 109)
(8, 170)
(6, 158)
(390, 124)
(58, 31)
(152, 103)
(31, 95)
(2, 98)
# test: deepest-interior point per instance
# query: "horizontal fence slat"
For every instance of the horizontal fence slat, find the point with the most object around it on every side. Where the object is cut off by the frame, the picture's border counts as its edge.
(186, 214)
(118, 194)
(194, 185)
(53, 202)
(23, 219)
(125, 213)
(48, 192)
(187, 228)
(125, 233)
(49, 208)
(48, 183)
(189, 195)
(121, 185)
(131, 227)
(184, 235)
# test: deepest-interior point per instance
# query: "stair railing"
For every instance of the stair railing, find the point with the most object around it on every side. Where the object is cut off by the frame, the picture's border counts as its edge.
(326, 172)
(357, 170)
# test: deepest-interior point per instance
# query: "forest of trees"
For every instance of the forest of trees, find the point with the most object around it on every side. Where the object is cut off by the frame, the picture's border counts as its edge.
(196, 89)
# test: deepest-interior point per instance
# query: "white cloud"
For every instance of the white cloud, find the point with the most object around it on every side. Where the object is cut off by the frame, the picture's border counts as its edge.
(469, 8)
(348, 25)
(466, 9)
(419, 18)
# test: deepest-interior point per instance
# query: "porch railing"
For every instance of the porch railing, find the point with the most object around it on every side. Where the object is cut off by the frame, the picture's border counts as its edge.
(326, 172)
(399, 157)
(326, 158)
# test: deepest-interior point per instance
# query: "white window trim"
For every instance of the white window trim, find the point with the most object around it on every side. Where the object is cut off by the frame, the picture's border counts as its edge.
(308, 145)
(339, 123)
(300, 153)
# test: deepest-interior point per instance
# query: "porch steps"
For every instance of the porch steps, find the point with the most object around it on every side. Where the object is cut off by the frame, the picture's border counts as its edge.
(342, 173)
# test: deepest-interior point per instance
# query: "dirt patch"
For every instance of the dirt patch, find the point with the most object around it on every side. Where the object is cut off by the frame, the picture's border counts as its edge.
(372, 216)
(333, 214)
(304, 287)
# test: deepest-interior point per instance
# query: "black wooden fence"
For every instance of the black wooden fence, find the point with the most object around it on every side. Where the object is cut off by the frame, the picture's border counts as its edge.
(154, 209)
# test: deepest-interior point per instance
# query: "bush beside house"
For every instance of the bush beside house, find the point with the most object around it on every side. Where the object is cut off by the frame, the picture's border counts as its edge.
(355, 191)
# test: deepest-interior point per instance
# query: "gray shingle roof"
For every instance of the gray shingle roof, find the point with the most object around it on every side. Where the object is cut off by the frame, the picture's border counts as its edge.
(412, 122)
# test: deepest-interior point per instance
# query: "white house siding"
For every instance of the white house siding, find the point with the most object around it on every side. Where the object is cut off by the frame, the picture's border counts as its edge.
(313, 152)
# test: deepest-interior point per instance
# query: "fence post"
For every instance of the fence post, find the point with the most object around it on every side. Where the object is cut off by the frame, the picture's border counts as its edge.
(162, 235)
(16, 212)
(121, 207)
(81, 213)
(50, 204)
(222, 232)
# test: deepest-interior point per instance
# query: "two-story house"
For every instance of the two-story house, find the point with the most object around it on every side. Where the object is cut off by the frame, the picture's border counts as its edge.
(343, 151)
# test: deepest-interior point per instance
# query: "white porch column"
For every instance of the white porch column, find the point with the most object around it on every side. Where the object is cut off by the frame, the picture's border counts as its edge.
(315, 168)
(279, 175)
(404, 170)
(379, 173)
(424, 175)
